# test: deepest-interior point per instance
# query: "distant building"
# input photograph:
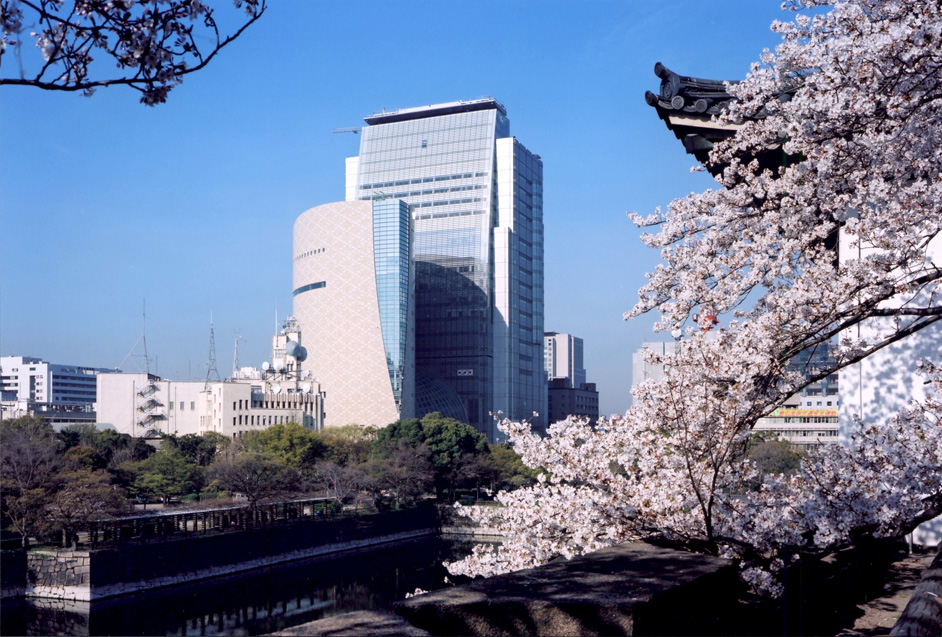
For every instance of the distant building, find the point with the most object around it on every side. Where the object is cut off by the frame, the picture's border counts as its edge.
(354, 299)
(568, 393)
(809, 417)
(641, 369)
(563, 358)
(477, 202)
(146, 406)
(60, 394)
(563, 401)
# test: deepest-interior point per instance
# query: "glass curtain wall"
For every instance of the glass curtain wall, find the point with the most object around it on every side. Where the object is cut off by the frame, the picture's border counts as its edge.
(392, 238)
(443, 166)
(483, 340)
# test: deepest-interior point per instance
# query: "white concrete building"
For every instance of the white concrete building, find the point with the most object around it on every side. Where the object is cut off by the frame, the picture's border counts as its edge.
(563, 358)
(145, 405)
(60, 394)
(32, 379)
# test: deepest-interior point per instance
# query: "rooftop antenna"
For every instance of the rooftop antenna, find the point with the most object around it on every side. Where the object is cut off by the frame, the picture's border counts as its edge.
(211, 371)
(235, 356)
(140, 341)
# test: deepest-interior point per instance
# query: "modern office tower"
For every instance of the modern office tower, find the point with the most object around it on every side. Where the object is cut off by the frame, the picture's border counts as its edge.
(562, 358)
(477, 204)
(354, 289)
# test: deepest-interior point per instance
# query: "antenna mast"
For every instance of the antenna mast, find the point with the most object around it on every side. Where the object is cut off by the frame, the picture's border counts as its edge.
(211, 371)
(235, 356)
(142, 341)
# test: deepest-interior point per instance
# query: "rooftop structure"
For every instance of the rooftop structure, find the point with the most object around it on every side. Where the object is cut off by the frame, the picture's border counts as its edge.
(435, 110)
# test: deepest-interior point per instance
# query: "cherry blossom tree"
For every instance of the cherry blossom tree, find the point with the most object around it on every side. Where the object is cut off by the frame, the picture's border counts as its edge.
(853, 95)
(153, 43)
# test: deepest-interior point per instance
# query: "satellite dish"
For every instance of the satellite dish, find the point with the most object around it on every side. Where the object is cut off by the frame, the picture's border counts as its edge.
(294, 349)
(276, 389)
(306, 388)
(266, 366)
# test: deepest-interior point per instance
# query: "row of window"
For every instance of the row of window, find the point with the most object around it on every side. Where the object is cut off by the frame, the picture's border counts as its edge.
(309, 253)
(420, 180)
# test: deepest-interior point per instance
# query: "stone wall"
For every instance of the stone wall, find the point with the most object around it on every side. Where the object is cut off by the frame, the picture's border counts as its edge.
(88, 575)
(453, 524)
(58, 573)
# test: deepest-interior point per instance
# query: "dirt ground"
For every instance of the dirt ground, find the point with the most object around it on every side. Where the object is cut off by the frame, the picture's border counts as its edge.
(878, 615)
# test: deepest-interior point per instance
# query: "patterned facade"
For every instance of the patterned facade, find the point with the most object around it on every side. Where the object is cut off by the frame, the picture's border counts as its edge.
(354, 289)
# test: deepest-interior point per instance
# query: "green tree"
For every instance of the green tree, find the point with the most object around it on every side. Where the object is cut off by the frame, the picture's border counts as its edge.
(349, 445)
(84, 457)
(200, 449)
(448, 441)
(115, 448)
(166, 475)
(773, 457)
(80, 497)
(28, 461)
(409, 430)
(510, 472)
(403, 472)
(296, 446)
(256, 476)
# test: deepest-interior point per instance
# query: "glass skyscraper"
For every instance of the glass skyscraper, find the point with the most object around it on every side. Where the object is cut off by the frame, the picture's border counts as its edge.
(476, 196)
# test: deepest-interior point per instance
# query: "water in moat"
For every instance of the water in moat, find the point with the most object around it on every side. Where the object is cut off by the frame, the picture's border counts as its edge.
(253, 603)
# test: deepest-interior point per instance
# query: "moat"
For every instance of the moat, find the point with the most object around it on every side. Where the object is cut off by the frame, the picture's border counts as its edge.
(252, 603)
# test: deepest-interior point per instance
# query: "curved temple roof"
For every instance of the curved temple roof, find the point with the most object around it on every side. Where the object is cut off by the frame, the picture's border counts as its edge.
(688, 106)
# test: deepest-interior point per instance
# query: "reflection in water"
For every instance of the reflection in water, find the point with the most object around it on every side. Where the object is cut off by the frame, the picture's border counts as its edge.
(254, 603)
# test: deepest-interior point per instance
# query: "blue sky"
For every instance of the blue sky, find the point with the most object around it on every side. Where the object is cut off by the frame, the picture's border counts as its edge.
(105, 202)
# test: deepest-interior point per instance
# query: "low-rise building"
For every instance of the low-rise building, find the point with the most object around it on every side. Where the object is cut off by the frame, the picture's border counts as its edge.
(565, 401)
(145, 405)
(60, 394)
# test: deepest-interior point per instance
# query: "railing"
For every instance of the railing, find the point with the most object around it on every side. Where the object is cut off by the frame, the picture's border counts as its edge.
(158, 527)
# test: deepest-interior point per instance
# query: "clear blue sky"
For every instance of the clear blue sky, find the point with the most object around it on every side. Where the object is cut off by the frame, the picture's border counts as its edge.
(190, 204)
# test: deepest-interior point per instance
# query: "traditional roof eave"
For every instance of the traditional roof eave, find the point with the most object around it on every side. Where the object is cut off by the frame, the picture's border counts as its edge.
(689, 106)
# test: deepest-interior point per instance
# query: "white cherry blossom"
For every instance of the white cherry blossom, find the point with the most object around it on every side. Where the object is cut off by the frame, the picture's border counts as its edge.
(853, 98)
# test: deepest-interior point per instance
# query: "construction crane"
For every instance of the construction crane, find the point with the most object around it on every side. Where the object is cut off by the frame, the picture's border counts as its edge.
(347, 130)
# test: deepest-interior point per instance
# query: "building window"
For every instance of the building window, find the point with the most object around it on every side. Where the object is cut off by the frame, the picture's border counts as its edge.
(192, 405)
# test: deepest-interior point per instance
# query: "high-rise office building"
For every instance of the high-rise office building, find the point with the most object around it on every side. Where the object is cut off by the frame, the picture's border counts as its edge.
(477, 203)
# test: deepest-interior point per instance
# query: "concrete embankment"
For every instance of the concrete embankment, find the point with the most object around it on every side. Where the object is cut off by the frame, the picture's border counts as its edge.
(631, 589)
(105, 572)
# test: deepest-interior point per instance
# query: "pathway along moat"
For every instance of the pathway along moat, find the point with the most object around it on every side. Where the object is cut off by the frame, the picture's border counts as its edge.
(253, 603)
